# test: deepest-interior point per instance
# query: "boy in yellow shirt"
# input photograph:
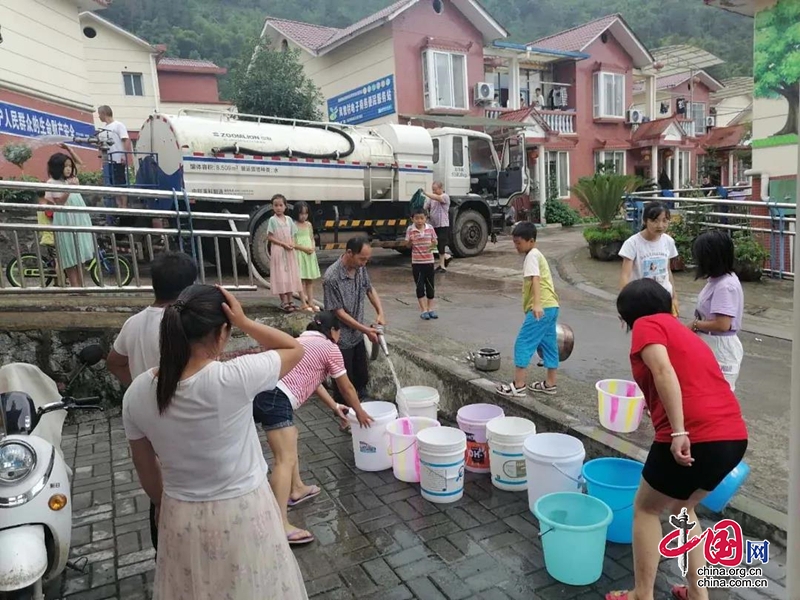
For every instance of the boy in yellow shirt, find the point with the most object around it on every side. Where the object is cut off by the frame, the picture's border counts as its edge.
(540, 305)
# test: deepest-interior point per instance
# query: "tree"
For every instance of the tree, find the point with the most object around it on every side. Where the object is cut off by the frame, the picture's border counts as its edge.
(776, 65)
(272, 82)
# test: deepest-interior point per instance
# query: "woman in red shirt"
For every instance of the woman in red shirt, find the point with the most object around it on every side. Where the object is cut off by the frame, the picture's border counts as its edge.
(700, 434)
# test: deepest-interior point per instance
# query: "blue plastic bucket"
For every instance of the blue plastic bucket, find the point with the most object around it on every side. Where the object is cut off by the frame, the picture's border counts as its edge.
(726, 490)
(615, 481)
(573, 531)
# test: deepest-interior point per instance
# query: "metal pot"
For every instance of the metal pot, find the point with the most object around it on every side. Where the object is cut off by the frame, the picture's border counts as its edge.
(486, 359)
(565, 338)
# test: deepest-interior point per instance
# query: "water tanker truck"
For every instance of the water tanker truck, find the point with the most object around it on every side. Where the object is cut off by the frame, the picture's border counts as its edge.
(357, 180)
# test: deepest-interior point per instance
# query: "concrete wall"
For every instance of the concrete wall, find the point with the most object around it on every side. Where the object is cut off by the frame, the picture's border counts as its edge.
(42, 51)
(194, 88)
(419, 27)
(37, 166)
(108, 56)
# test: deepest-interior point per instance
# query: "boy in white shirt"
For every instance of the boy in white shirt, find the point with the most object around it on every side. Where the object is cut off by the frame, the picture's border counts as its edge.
(116, 134)
(136, 348)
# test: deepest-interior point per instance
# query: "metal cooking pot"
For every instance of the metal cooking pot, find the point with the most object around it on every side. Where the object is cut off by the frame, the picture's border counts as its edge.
(486, 359)
(565, 338)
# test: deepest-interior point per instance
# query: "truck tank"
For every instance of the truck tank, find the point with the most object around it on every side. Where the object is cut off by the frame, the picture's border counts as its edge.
(257, 157)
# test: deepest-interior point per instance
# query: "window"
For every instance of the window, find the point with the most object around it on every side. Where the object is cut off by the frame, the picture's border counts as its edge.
(435, 152)
(284, 46)
(558, 173)
(481, 159)
(133, 84)
(444, 80)
(614, 161)
(696, 112)
(438, 6)
(458, 151)
(609, 95)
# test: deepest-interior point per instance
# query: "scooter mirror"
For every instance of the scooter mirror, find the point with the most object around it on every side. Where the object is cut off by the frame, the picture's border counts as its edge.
(91, 355)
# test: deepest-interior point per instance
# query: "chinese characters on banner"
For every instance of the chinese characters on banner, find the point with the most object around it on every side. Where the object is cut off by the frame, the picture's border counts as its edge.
(26, 122)
(223, 167)
(366, 103)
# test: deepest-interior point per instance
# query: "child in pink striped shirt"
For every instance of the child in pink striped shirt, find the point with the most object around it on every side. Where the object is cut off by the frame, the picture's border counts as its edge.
(422, 238)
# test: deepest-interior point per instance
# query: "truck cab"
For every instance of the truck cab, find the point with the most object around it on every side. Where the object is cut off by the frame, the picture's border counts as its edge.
(466, 162)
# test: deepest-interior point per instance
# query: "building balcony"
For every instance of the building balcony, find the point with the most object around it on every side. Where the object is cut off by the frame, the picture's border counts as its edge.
(559, 121)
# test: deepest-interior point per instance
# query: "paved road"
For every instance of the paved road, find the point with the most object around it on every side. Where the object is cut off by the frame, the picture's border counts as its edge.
(377, 539)
(480, 305)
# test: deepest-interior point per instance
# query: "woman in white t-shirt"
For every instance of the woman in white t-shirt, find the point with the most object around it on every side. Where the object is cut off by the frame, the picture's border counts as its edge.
(647, 254)
(196, 451)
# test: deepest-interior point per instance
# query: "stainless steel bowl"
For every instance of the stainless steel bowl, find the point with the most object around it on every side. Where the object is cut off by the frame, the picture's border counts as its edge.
(486, 359)
(566, 341)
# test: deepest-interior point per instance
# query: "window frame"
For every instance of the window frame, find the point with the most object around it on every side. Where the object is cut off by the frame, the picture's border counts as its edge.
(559, 179)
(599, 95)
(698, 126)
(600, 158)
(430, 82)
(133, 78)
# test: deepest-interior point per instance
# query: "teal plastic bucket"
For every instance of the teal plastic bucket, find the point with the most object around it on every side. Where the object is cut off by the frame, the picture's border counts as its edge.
(615, 481)
(573, 530)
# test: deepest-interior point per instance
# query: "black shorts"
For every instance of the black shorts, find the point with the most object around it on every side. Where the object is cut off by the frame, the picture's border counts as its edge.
(712, 463)
(424, 275)
(273, 410)
(442, 238)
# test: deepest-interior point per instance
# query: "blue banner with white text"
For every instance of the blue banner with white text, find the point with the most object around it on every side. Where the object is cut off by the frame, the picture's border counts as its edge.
(30, 123)
(366, 103)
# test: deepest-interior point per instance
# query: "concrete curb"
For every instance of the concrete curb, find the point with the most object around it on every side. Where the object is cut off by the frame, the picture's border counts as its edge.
(569, 273)
(459, 385)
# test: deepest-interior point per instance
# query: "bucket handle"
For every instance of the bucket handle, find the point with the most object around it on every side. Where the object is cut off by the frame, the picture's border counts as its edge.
(390, 453)
(543, 533)
(579, 480)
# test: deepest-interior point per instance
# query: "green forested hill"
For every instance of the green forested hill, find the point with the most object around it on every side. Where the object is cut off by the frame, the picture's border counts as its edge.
(219, 30)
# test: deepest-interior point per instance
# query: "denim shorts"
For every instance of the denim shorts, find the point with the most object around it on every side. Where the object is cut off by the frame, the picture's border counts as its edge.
(273, 410)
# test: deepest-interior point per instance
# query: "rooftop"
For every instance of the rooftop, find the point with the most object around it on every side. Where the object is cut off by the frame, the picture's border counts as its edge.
(189, 65)
(735, 86)
(319, 39)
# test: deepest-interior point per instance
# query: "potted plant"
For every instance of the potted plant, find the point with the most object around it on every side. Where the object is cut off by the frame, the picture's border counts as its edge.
(749, 256)
(603, 195)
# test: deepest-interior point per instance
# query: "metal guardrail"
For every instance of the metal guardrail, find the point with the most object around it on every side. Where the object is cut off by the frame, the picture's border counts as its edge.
(780, 228)
(27, 266)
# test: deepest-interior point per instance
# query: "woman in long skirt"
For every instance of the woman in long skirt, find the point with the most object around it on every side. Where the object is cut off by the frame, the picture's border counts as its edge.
(195, 448)
(74, 249)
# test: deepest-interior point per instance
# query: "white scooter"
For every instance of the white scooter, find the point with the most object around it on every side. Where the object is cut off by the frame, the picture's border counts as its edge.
(35, 497)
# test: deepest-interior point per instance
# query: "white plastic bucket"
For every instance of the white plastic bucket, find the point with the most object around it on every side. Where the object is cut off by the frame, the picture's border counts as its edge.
(403, 446)
(620, 404)
(472, 420)
(553, 462)
(506, 436)
(422, 401)
(371, 444)
(441, 457)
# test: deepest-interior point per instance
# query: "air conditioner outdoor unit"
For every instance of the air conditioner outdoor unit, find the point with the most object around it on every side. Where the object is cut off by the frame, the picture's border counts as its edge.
(711, 121)
(484, 92)
(635, 116)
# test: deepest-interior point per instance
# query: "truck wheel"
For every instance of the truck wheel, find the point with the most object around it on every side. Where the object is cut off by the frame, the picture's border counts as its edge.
(470, 234)
(259, 248)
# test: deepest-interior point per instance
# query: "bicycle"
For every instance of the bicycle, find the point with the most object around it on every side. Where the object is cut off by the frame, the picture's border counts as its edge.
(101, 265)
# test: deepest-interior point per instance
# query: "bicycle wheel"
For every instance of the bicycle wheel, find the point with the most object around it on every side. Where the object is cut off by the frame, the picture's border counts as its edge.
(106, 268)
(29, 271)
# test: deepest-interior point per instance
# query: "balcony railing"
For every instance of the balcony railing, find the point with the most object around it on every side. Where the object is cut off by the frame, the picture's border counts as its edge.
(558, 120)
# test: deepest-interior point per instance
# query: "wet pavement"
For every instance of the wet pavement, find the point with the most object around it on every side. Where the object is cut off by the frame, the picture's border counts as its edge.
(375, 536)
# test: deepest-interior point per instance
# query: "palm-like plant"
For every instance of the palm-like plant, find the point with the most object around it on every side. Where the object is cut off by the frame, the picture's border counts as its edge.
(603, 195)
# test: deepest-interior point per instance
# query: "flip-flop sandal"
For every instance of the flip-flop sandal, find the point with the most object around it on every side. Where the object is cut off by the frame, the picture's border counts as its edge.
(617, 595)
(308, 309)
(298, 537)
(680, 592)
(315, 491)
(509, 390)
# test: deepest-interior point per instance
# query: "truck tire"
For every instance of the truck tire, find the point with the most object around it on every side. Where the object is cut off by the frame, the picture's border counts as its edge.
(470, 234)
(259, 248)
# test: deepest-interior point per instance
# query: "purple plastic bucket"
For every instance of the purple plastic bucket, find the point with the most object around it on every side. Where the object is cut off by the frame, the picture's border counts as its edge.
(472, 420)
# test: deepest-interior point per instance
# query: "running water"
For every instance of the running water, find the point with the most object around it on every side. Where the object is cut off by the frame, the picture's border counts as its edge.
(401, 399)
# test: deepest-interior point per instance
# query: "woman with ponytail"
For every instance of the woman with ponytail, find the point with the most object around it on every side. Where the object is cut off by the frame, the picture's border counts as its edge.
(274, 409)
(196, 451)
